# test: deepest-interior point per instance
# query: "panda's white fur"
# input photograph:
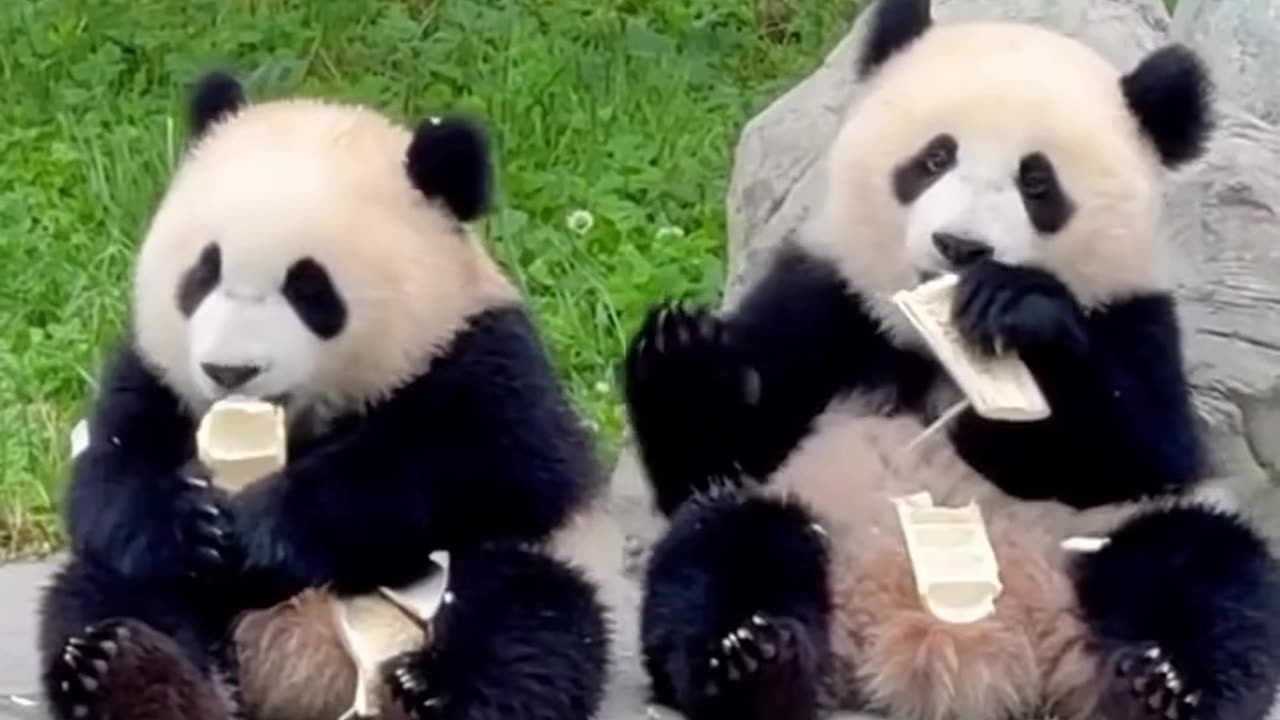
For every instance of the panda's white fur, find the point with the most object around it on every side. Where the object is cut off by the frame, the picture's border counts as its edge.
(986, 84)
(294, 178)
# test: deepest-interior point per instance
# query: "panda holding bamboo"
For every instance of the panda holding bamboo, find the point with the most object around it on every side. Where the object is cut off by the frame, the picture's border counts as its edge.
(1024, 163)
(320, 256)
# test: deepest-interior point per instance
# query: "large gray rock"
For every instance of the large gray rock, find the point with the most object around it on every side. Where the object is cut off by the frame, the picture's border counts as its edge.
(1223, 221)
(1239, 38)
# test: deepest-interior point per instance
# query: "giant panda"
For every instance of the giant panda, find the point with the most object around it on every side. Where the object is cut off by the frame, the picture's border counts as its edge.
(776, 434)
(322, 256)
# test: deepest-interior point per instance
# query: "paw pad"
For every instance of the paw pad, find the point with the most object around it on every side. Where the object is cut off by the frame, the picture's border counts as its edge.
(410, 688)
(1156, 685)
(78, 673)
(745, 651)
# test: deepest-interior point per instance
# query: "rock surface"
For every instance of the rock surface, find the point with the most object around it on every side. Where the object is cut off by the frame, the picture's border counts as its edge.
(1222, 220)
(1239, 39)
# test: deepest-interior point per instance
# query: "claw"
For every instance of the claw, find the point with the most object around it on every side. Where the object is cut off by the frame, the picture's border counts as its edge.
(210, 555)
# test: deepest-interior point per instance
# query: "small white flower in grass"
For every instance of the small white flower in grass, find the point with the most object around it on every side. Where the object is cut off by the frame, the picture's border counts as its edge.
(580, 221)
(669, 232)
(602, 386)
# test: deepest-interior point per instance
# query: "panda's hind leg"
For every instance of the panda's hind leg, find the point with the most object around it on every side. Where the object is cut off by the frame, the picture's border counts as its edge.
(736, 610)
(1184, 604)
(104, 658)
(524, 637)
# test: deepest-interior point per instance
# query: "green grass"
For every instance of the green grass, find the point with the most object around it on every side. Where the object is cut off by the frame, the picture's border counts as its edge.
(628, 109)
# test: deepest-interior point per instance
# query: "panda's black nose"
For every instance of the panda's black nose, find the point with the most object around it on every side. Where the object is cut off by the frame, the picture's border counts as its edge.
(959, 250)
(230, 377)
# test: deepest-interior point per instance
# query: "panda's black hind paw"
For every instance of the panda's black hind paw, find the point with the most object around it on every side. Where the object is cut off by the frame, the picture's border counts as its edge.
(763, 669)
(1154, 688)
(747, 651)
(687, 387)
(76, 676)
(411, 688)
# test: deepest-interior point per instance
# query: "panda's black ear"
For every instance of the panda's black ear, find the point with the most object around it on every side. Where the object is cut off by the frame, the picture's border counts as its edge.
(449, 160)
(217, 95)
(894, 24)
(1170, 93)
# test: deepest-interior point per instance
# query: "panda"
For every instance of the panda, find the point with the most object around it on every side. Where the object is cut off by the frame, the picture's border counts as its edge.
(320, 255)
(776, 434)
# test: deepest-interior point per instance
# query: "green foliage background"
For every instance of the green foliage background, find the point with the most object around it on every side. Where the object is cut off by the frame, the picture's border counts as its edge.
(628, 109)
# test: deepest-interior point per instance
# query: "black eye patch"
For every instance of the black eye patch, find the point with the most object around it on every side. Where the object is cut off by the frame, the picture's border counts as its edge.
(310, 291)
(917, 173)
(200, 279)
(1047, 203)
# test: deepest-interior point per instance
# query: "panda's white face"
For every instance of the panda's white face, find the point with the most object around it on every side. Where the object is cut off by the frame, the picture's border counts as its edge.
(293, 259)
(257, 333)
(968, 202)
(254, 346)
(999, 140)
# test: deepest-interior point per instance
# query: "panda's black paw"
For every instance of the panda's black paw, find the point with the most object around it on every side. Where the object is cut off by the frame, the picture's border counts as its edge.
(1147, 681)
(766, 669)
(1002, 307)
(687, 389)
(411, 688)
(76, 676)
(210, 544)
(747, 651)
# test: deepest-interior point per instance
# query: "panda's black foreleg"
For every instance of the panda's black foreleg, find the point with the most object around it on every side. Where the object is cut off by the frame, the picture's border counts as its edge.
(523, 637)
(736, 611)
(1184, 604)
(688, 393)
(113, 648)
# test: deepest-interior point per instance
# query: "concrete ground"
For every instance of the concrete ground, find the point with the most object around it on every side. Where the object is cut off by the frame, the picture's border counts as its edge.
(19, 585)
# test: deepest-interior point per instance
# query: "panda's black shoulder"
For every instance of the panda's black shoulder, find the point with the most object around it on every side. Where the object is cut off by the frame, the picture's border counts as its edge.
(497, 379)
(497, 346)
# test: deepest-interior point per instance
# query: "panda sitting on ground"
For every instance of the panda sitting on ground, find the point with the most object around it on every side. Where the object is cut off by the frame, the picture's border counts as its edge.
(316, 254)
(1021, 160)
